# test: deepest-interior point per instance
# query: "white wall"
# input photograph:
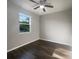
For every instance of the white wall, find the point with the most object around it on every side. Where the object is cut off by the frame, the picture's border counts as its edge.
(56, 27)
(14, 37)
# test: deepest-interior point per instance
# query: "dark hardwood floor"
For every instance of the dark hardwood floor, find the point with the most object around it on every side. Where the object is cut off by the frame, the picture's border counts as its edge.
(39, 49)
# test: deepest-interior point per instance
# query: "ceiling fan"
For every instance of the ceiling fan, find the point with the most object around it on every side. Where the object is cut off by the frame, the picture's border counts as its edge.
(42, 4)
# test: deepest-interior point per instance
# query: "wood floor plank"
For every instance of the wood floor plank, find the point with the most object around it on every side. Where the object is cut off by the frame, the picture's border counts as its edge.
(39, 49)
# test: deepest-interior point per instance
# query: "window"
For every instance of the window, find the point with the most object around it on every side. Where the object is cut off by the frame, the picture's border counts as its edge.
(24, 22)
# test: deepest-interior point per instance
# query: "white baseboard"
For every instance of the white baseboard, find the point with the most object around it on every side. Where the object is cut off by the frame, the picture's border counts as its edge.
(20, 46)
(33, 41)
(55, 42)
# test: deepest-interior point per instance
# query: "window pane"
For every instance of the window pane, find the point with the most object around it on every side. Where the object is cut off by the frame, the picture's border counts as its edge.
(24, 22)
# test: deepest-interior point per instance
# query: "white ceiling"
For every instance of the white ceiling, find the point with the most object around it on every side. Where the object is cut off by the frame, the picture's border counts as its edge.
(59, 5)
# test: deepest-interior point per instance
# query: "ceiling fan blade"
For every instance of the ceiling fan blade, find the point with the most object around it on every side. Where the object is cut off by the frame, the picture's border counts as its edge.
(50, 6)
(37, 7)
(44, 10)
(34, 1)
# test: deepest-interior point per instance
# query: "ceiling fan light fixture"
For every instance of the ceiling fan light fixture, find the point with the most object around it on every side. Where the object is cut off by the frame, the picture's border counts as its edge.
(41, 6)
